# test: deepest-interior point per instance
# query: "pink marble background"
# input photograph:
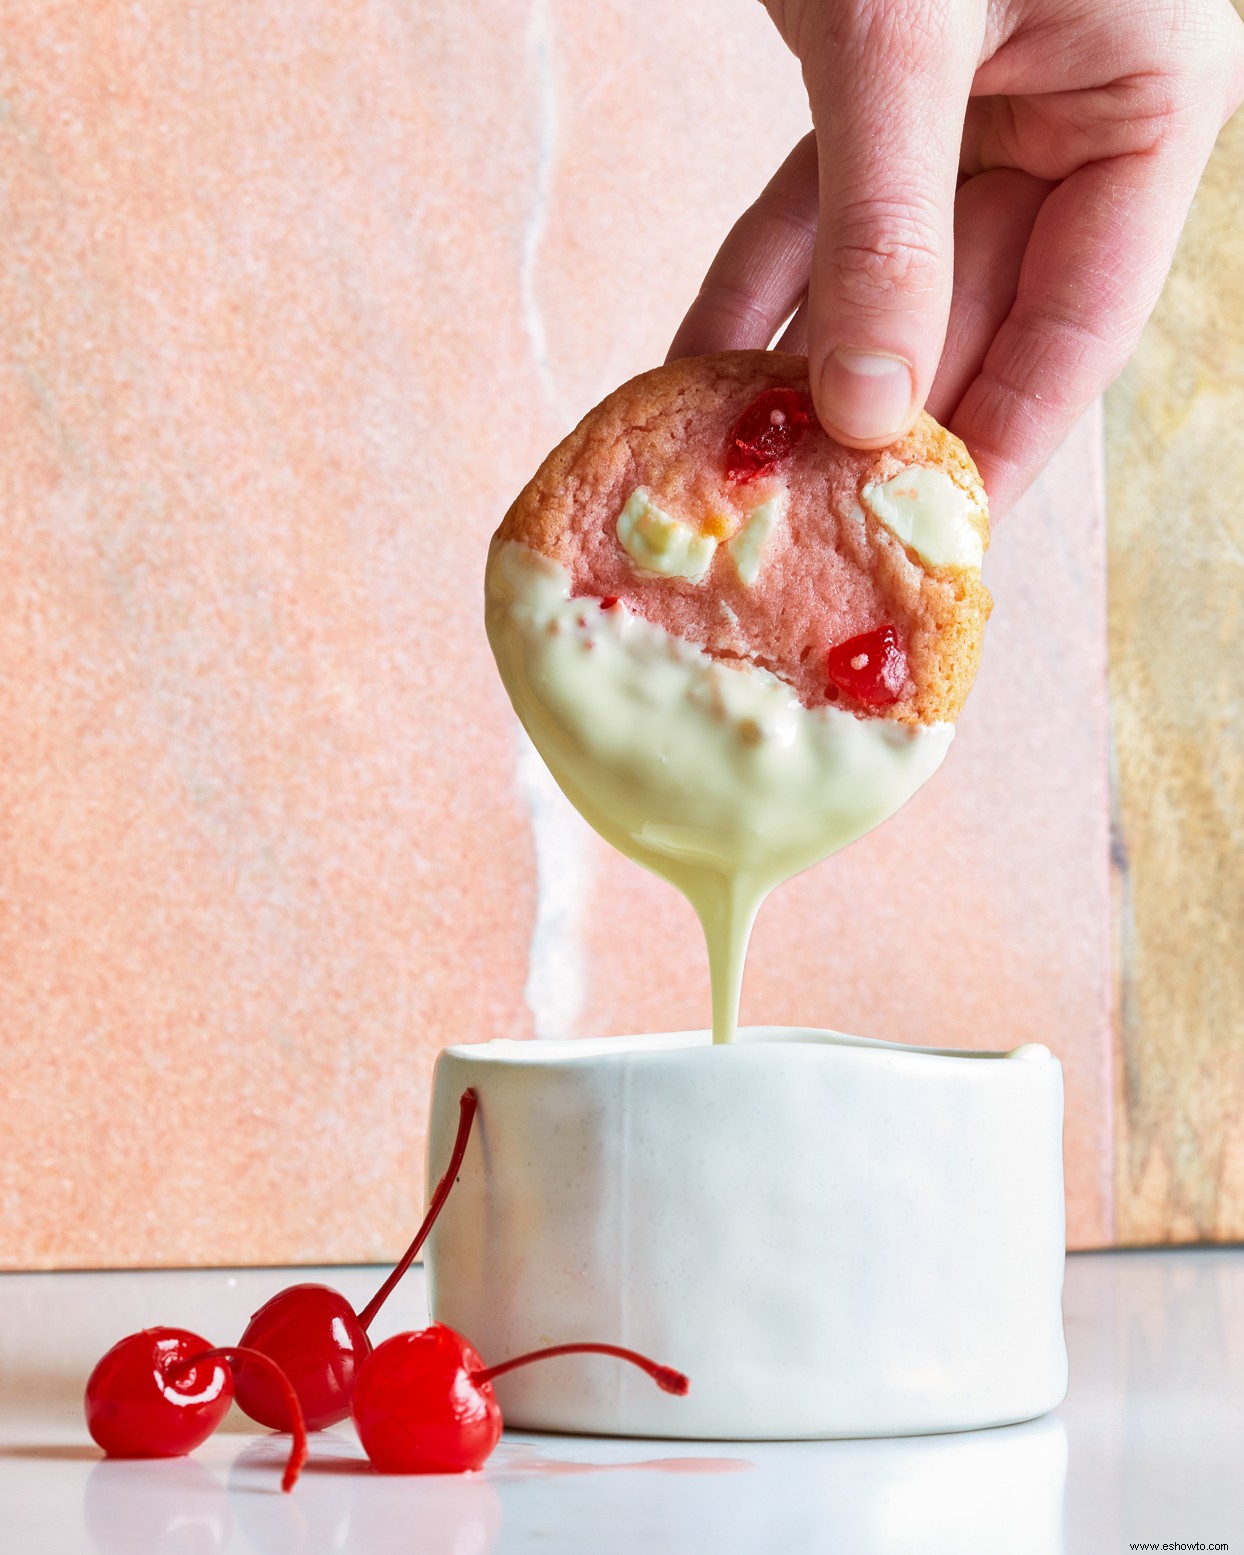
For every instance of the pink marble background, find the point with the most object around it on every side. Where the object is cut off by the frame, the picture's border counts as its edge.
(293, 297)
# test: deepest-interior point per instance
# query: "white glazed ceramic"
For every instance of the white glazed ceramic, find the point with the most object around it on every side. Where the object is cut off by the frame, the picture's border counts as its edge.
(830, 1236)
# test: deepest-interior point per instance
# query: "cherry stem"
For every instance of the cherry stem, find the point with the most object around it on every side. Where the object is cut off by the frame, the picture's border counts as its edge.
(467, 1103)
(236, 1352)
(665, 1377)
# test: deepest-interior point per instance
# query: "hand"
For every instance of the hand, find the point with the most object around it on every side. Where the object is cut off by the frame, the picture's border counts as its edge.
(998, 194)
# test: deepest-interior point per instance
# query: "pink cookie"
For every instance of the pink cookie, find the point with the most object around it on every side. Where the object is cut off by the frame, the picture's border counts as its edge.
(706, 497)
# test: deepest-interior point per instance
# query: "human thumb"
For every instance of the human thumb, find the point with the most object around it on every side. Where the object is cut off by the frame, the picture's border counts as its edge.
(888, 82)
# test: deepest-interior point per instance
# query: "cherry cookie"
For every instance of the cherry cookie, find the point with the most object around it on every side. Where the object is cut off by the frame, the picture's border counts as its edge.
(705, 498)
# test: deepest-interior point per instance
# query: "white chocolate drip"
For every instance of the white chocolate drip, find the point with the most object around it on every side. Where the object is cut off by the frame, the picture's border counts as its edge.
(715, 778)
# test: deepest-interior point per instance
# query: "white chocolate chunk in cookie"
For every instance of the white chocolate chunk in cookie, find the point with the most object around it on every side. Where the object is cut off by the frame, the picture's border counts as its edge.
(748, 547)
(930, 513)
(657, 542)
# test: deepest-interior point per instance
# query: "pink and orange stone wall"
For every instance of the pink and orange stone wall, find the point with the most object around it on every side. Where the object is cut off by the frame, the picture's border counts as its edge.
(293, 298)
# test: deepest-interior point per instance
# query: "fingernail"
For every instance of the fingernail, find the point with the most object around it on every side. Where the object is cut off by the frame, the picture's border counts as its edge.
(866, 395)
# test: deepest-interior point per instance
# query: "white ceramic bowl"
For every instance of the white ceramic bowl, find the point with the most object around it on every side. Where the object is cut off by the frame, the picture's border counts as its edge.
(830, 1236)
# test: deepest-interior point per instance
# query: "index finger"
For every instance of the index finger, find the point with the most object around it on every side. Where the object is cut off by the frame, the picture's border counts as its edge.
(761, 270)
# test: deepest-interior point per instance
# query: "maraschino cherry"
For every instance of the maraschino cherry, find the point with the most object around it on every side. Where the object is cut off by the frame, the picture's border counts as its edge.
(316, 1337)
(871, 667)
(423, 1402)
(766, 433)
(162, 1392)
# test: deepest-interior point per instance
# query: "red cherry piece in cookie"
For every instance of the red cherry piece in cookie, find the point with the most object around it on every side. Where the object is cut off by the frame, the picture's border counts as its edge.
(424, 1404)
(766, 433)
(313, 1333)
(872, 667)
(162, 1392)
(608, 601)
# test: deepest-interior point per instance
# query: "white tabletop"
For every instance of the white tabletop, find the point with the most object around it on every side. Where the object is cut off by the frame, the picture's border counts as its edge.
(1149, 1446)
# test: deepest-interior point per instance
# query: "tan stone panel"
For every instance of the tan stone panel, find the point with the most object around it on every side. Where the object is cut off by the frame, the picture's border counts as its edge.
(1175, 444)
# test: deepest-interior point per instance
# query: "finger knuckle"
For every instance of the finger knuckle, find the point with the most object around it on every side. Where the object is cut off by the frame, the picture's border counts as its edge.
(1200, 52)
(737, 303)
(914, 34)
(878, 259)
(794, 220)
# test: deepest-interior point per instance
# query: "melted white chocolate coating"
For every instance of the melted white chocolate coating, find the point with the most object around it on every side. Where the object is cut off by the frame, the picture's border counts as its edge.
(718, 779)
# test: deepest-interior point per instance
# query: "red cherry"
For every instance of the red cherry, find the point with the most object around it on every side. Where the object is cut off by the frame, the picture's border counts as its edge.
(134, 1410)
(766, 433)
(871, 667)
(314, 1335)
(423, 1402)
(416, 1408)
(162, 1392)
(608, 601)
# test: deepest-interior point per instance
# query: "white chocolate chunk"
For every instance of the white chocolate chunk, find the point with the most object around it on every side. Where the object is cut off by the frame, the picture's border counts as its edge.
(657, 542)
(928, 512)
(748, 546)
